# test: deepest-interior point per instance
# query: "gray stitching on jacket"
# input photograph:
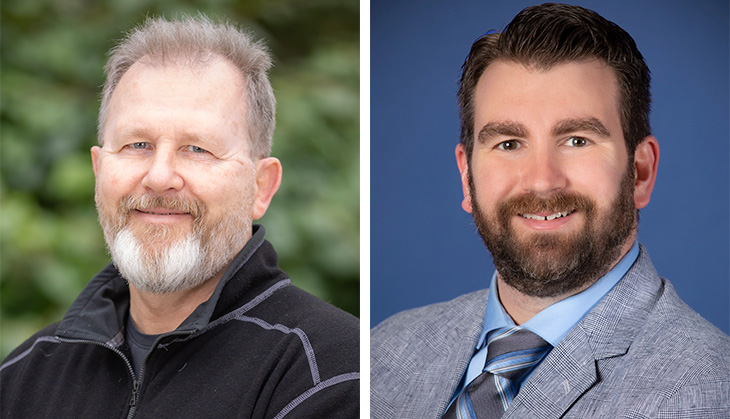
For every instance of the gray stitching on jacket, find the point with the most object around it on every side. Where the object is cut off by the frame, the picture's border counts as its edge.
(248, 306)
(25, 353)
(321, 386)
(233, 314)
(297, 331)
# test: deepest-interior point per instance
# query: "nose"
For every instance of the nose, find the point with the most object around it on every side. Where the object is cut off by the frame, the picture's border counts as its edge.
(162, 173)
(543, 173)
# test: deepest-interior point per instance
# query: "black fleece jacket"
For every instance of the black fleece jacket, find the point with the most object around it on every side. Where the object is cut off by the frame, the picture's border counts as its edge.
(258, 348)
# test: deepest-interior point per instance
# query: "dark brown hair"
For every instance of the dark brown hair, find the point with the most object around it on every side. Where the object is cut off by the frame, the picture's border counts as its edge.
(543, 36)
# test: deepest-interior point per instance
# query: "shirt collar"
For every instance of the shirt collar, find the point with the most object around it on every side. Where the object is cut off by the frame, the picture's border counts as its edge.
(567, 312)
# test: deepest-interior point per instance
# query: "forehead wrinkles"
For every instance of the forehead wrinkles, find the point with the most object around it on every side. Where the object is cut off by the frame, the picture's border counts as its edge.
(215, 86)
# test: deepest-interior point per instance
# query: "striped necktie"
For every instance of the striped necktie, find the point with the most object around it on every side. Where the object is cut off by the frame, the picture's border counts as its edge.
(511, 354)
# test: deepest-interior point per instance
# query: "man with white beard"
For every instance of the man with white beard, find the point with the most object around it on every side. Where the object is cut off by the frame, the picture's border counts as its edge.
(193, 318)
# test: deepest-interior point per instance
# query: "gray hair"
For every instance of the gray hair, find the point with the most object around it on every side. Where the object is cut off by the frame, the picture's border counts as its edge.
(193, 40)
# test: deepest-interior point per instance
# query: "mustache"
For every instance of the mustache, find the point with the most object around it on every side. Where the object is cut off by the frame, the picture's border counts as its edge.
(131, 203)
(531, 203)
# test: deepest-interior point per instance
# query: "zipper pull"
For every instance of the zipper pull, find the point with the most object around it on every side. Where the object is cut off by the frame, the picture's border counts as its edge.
(135, 393)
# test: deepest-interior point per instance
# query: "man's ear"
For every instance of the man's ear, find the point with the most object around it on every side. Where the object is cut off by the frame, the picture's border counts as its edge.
(646, 163)
(95, 152)
(461, 161)
(268, 179)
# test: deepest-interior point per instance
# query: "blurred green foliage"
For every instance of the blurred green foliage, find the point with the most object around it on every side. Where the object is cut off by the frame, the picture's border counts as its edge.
(52, 56)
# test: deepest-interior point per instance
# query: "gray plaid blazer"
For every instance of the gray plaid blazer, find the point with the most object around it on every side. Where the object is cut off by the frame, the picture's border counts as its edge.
(640, 353)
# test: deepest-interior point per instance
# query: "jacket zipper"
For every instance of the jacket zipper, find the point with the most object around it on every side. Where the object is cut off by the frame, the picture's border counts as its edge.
(133, 400)
(136, 381)
(137, 384)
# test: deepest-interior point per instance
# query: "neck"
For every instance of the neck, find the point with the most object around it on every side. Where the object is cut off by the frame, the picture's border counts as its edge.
(522, 307)
(154, 314)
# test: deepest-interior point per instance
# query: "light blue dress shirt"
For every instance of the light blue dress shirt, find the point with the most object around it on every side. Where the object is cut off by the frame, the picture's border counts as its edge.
(551, 324)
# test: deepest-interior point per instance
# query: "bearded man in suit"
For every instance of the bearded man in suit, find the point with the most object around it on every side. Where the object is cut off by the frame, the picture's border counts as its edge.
(556, 158)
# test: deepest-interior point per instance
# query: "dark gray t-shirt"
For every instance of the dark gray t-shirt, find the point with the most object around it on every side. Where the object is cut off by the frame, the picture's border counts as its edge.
(139, 343)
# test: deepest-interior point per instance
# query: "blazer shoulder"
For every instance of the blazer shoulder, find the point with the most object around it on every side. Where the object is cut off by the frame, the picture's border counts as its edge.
(693, 333)
(675, 323)
(467, 306)
(685, 358)
(418, 356)
(700, 362)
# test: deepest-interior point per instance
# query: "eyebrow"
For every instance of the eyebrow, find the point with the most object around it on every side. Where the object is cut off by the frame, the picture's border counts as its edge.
(134, 133)
(502, 128)
(567, 126)
(591, 125)
(145, 133)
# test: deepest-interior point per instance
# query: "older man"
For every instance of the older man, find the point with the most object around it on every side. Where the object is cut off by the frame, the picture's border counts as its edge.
(193, 318)
(556, 157)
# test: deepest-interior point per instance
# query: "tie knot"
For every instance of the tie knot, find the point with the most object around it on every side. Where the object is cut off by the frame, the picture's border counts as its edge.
(513, 352)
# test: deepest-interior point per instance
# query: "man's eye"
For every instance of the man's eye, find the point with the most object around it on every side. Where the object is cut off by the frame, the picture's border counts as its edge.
(577, 142)
(140, 145)
(509, 145)
(196, 149)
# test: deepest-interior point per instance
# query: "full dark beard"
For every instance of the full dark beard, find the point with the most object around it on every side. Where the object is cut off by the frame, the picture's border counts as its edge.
(553, 264)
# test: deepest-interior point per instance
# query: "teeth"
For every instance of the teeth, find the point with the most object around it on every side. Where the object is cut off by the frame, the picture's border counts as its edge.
(547, 217)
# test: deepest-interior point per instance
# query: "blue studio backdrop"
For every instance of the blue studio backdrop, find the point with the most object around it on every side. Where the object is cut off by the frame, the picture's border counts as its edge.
(425, 248)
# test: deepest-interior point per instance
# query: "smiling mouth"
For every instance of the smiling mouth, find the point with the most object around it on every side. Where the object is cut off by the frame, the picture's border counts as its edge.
(549, 217)
(160, 212)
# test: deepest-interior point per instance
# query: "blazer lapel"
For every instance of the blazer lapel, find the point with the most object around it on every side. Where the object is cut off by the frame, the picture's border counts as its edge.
(567, 372)
(459, 343)
(461, 325)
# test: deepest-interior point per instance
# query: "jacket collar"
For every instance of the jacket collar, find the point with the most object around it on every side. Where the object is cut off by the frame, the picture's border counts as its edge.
(100, 311)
